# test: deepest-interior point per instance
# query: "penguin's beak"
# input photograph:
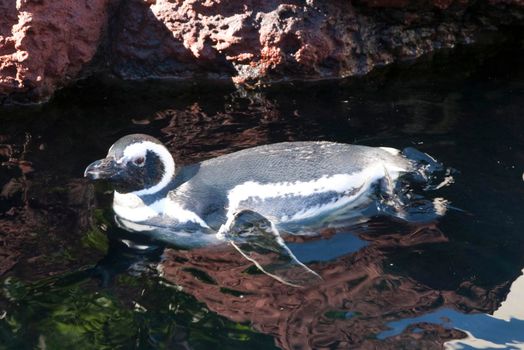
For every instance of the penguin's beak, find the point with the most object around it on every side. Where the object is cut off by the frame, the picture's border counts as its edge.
(103, 169)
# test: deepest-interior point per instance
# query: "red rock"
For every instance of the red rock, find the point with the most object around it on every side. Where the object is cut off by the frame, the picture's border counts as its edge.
(45, 44)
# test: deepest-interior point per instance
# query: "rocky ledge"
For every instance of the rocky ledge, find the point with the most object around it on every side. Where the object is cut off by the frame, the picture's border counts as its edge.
(44, 44)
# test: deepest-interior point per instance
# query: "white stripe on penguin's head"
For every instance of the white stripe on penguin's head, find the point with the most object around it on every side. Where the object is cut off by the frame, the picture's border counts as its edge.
(140, 149)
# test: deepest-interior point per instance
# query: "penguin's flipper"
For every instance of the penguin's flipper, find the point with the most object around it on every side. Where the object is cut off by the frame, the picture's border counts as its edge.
(257, 239)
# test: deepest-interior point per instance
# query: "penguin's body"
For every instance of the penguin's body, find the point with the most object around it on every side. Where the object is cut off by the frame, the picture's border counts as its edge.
(273, 185)
(284, 182)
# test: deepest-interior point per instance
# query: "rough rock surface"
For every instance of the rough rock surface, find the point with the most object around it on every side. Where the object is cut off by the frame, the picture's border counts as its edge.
(274, 39)
(45, 44)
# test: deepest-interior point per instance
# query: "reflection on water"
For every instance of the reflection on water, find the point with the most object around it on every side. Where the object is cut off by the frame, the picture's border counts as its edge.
(351, 304)
(500, 330)
(70, 279)
(72, 312)
(332, 247)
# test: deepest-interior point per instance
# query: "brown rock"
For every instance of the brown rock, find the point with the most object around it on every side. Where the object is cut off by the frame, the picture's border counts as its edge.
(44, 44)
(272, 40)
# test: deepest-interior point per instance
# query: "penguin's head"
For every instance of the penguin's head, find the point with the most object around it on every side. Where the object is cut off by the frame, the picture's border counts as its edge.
(137, 163)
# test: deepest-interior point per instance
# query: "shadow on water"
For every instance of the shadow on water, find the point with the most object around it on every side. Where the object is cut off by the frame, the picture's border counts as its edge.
(70, 280)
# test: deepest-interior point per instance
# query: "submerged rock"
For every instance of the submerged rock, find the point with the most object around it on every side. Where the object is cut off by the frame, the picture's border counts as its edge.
(45, 44)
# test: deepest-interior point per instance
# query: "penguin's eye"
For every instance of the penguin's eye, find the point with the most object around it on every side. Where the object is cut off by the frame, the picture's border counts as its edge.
(139, 161)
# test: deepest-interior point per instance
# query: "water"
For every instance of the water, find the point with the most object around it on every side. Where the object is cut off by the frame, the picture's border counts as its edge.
(70, 279)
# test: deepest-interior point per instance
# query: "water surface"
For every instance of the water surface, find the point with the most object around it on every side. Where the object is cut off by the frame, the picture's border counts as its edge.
(68, 279)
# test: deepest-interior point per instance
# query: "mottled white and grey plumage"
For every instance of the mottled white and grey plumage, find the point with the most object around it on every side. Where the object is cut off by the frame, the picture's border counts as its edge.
(281, 184)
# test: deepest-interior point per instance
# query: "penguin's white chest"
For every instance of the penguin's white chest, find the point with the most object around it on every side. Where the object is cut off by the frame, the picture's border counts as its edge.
(132, 208)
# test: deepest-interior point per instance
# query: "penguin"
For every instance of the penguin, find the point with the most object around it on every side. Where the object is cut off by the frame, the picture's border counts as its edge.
(247, 197)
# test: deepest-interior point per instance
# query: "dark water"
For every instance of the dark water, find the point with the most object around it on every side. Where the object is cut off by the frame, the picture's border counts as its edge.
(67, 280)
